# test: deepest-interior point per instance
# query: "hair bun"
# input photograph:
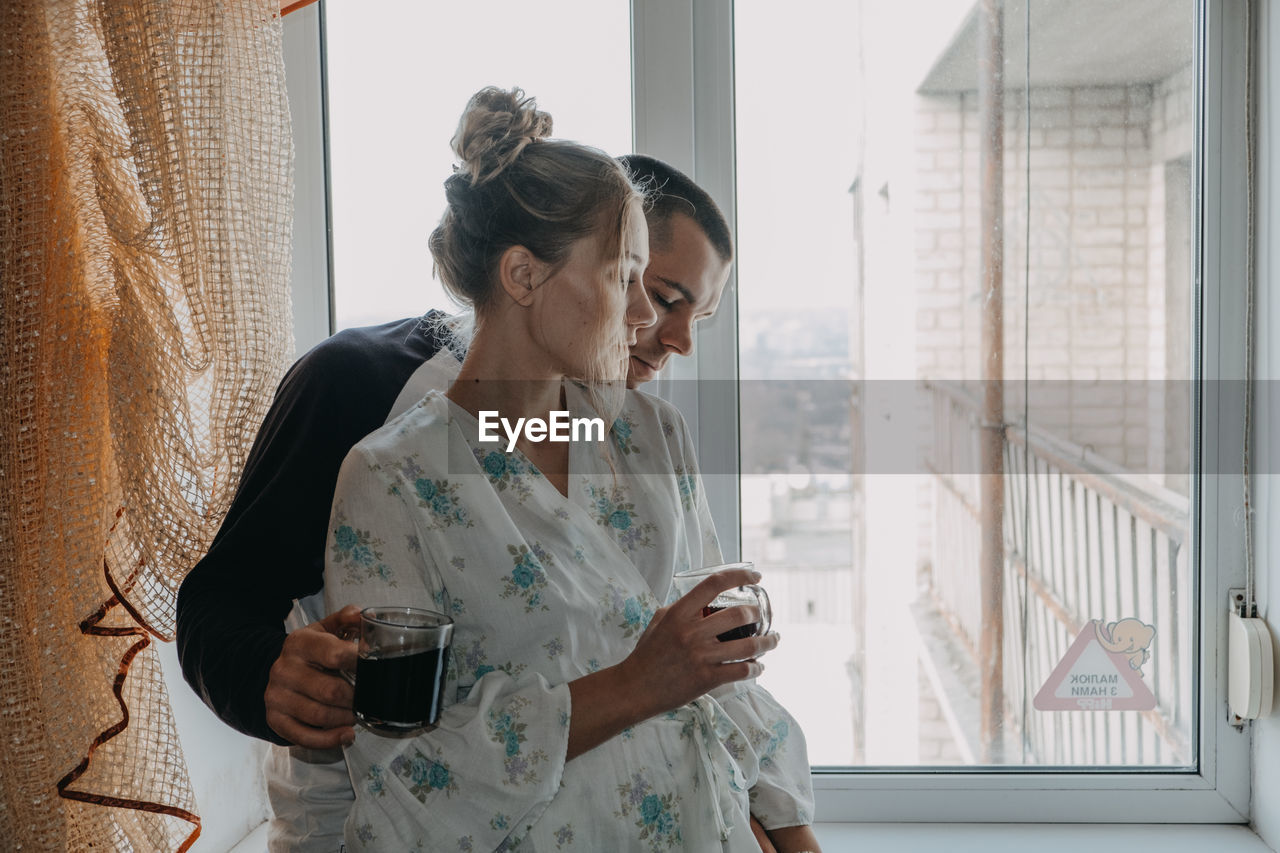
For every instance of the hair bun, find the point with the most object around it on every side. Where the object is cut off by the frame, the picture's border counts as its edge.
(495, 127)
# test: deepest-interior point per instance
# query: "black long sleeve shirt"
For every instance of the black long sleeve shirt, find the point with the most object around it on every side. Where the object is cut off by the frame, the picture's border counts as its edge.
(270, 548)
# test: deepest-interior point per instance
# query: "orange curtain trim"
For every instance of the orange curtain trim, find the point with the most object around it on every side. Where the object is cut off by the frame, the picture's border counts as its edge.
(91, 626)
(295, 6)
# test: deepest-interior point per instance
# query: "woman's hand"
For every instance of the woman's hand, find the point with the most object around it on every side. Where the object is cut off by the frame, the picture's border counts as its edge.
(677, 659)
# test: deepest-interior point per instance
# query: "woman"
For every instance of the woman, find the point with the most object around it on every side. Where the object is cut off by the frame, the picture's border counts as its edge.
(577, 711)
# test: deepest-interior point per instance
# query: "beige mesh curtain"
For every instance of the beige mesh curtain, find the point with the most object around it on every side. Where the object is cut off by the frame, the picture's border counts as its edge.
(145, 201)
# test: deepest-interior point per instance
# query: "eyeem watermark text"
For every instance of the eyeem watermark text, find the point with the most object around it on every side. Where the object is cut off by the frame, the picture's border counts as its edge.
(559, 427)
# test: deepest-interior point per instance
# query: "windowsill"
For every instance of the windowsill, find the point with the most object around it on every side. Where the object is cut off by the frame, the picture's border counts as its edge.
(999, 837)
(1040, 837)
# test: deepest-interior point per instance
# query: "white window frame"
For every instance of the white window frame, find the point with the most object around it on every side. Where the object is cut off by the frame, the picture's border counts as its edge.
(684, 96)
(682, 54)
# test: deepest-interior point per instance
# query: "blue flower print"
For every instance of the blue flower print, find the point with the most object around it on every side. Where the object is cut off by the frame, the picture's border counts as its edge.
(564, 835)
(615, 513)
(630, 613)
(365, 833)
(657, 816)
(423, 775)
(507, 730)
(687, 484)
(473, 664)
(769, 743)
(373, 780)
(439, 496)
(438, 776)
(527, 579)
(360, 552)
(631, 610)
(622, 428)
(734, 746)
(523, 576)
(425, 488)
(507, 472)
(495, 465)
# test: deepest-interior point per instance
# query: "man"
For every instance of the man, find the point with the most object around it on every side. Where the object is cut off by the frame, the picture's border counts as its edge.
(270, 550)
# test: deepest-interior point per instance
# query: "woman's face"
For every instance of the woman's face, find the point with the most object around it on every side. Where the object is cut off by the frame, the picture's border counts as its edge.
(592, 308)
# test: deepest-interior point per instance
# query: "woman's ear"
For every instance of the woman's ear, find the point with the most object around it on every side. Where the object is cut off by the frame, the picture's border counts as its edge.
(520, 273)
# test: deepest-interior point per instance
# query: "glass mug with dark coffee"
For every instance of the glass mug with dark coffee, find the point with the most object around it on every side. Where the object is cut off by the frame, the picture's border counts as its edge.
(750, 594)
(400, 668)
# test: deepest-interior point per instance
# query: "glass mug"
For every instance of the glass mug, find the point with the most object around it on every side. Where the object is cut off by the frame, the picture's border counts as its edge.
(751, 594)
(400, 668)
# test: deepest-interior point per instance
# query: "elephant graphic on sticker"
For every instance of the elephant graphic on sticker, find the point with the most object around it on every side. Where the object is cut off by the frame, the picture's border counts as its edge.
(1131, 637)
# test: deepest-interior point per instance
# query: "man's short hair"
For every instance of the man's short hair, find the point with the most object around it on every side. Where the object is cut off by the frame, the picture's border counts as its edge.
(670, 192)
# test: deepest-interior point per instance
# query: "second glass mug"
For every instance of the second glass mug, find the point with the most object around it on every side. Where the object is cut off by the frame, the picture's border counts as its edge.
(749, 594)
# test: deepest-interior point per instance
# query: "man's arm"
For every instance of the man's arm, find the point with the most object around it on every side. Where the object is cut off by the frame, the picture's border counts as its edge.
(270, 549)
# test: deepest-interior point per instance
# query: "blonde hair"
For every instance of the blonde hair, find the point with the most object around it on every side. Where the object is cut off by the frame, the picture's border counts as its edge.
(516, 186)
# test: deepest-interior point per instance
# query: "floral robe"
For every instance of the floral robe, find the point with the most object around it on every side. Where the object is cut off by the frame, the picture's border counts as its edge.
(545, 589)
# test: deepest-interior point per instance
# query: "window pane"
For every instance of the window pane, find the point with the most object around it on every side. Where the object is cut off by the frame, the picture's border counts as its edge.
(399, 74)
(927, 599)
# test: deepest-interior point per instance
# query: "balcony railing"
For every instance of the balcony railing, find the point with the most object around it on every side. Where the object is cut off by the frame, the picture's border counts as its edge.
(1083, 540)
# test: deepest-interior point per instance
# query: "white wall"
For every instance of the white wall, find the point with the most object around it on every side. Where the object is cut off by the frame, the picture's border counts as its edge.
(1266, 733)
(225, 766)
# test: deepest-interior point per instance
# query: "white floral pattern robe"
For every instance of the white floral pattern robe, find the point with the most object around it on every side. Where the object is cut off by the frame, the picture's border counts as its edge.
(545, 589)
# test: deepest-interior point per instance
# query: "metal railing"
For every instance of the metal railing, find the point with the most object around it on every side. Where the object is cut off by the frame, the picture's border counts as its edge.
(1083, 540)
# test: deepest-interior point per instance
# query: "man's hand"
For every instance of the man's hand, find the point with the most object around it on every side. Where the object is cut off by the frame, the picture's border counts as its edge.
(793, 839)
(762, 837)
(308, 701)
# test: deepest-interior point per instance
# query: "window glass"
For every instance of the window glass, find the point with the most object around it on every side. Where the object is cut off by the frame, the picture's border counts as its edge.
(1006, 576)
(399, 74)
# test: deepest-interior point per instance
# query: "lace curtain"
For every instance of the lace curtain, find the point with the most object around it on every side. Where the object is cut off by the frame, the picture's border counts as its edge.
(145, 206)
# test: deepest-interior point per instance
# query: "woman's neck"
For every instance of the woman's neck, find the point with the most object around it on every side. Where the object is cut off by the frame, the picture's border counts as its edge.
(499, 375)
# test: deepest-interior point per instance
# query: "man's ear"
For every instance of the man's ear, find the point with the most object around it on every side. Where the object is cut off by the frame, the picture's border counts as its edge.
(520, 273)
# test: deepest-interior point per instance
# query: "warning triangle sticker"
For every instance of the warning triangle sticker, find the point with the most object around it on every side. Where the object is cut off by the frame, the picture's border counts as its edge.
(1091, 678)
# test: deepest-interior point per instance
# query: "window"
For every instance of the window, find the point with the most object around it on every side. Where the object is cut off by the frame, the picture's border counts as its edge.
(709, 84)
(858, 225)
(1089, 506)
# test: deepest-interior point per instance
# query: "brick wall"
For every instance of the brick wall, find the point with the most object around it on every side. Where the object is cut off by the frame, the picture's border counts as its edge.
(1090, 269)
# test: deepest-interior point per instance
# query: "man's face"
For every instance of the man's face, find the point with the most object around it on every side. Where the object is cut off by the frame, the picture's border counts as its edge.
(684, 280)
